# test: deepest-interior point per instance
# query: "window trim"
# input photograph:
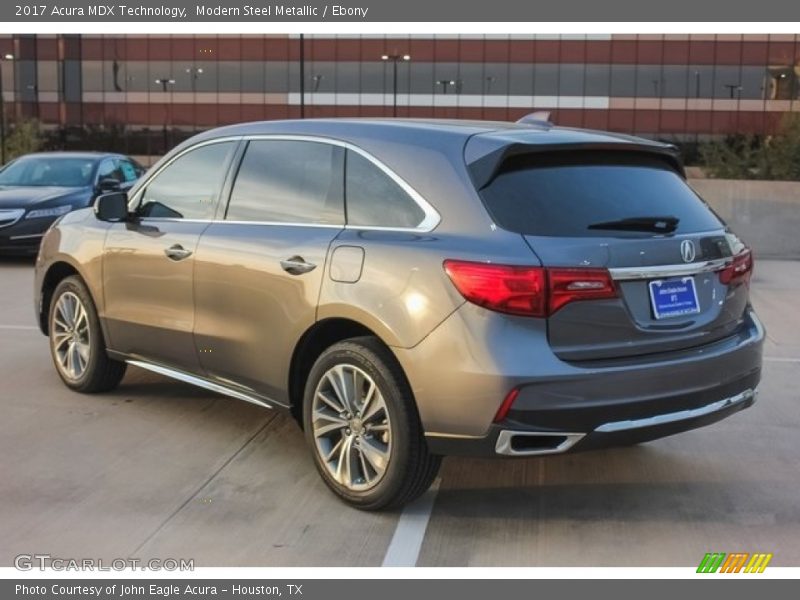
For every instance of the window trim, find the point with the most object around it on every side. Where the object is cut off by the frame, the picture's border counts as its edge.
(141, 184)
(429, 222)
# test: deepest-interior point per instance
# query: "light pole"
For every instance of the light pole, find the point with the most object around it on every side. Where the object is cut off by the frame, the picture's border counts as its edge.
(395, 58)
(194, 73)
(164, 82)
(3, 58)
(445, 83)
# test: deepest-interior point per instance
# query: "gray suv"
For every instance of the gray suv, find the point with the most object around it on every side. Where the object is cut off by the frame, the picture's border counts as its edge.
(413, 289)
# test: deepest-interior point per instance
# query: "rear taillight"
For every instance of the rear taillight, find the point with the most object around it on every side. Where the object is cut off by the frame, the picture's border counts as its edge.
(570, 285)
(527, 291)
(739, 270)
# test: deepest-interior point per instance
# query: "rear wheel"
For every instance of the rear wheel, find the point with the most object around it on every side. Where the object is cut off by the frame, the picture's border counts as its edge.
(76, 340)
(363, 429)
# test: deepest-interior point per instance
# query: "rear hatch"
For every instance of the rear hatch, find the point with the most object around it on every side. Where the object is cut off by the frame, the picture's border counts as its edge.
(670, 259)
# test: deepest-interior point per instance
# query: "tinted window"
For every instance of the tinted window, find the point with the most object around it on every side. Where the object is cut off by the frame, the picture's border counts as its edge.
(289, 182)
(564, 195)
(374, 199)
(48, 171)
(188, 187)
(122, 170)
(129, 170)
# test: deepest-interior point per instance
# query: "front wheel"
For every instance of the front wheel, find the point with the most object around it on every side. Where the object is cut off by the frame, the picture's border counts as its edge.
(76, 341)
(361, 423)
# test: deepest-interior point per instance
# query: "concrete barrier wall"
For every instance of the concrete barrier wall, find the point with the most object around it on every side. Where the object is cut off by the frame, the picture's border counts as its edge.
(765, 214)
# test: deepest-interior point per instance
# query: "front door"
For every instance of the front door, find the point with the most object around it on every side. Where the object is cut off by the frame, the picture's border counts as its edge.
(148, 263)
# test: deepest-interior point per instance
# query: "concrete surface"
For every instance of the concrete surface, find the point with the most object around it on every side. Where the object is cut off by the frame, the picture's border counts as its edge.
(161, 469)
(766, 214)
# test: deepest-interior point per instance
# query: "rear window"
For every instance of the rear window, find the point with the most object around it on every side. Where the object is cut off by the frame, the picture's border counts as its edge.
(565, 194)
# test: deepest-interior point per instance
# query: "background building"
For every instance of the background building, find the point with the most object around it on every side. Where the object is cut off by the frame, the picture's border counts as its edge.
(139, 93)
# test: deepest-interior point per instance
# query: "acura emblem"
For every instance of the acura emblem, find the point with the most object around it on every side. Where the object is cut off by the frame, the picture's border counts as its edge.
(687, 251)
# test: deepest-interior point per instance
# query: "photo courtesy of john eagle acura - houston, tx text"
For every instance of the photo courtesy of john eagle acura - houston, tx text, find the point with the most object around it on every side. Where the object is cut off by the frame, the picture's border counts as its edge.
(411, 289)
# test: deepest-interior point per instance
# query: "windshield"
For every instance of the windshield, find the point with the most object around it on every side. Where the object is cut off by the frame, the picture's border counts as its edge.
(581, 194)
(47, 171)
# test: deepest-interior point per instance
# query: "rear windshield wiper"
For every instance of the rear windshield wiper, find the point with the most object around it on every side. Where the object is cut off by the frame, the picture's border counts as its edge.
(664, 224)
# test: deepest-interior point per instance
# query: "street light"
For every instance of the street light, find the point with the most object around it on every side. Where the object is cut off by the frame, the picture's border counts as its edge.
(3, 58)
(395, 58)
(194, 73)
(445, 83)
(164, 82)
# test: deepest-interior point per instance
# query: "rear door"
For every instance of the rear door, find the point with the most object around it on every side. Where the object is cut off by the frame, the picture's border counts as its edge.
(633, 214)
(258, 271)
(148, 263)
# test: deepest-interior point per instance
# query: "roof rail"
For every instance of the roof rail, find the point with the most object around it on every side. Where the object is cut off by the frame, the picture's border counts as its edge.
(539, 117)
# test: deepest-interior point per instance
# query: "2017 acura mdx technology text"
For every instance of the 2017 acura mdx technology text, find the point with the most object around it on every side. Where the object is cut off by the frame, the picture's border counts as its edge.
(414, 289)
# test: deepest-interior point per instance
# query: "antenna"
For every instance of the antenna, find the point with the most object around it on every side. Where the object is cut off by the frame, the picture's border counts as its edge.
(539, 117)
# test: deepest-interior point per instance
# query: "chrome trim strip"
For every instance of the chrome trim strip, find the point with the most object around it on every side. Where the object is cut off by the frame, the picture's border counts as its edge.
(660, 271)
(681, 415)
(503, 445)
(15, 214)
(429, 221)
(26, 237)
(197, 381)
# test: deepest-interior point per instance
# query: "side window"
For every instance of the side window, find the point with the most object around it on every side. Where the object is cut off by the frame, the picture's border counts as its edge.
(374, 199)
(128, 170)
(107, 169)
(289, 181)
(188, 187)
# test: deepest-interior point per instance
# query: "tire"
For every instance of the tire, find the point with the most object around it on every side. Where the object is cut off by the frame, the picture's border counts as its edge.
(79, 352)
(395, 443)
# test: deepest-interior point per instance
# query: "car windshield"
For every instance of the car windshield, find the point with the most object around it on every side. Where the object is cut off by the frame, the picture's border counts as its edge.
(46, 171)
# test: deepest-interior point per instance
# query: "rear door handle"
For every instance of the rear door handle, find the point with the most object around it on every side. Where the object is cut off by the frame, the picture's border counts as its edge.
(296, 265)
(177, 252)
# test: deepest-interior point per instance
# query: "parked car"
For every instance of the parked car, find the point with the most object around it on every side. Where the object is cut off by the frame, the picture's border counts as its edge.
(413, 289)
(36, 189)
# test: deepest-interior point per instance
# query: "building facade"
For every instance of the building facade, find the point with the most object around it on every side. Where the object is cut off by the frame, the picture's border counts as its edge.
(673, 87)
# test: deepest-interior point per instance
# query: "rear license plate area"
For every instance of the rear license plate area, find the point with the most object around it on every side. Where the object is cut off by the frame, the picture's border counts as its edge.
(673, 297)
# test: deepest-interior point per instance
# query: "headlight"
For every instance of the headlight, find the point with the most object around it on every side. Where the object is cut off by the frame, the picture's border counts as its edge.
(56, 211)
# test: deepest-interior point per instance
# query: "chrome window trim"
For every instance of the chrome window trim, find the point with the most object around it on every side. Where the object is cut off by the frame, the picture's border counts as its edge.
(141, 184)
(429, 222)
(660, 271)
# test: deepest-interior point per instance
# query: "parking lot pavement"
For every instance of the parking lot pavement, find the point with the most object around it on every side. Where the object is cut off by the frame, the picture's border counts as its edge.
(161, 469)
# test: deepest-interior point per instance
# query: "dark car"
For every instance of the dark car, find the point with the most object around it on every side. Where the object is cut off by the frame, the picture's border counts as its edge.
(36, 189)
(413, 289)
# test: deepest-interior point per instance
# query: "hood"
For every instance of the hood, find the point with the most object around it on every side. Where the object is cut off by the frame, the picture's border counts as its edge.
(27, 196)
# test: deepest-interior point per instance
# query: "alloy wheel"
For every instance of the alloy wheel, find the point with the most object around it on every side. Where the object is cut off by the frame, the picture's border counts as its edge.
(69, 335)
(351, 427)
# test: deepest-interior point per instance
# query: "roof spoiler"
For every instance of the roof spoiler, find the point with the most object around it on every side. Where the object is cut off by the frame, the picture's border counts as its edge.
(539, 117)
(483, 170)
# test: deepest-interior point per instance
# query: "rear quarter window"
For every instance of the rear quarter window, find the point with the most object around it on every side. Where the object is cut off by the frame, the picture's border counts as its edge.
(563, 194)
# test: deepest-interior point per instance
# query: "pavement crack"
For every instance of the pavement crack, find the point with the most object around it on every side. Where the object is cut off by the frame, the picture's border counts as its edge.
(200, 488)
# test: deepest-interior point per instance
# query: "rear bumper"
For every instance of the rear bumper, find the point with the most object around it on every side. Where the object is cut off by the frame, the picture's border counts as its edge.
(564, 406)
(517, 442)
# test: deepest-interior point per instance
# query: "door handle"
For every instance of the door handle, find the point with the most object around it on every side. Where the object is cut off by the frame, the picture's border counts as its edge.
(296, 265)
(177, 252)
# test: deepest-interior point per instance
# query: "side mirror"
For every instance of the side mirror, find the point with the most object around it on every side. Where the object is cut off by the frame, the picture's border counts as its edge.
(108, 184)
(112, 207)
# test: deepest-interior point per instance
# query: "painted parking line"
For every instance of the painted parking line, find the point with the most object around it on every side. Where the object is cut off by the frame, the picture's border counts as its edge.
(781, 359)
(406, 543)
(21, 327)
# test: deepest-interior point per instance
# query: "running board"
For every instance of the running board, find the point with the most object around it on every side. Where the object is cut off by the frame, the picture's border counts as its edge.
(199, 382)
